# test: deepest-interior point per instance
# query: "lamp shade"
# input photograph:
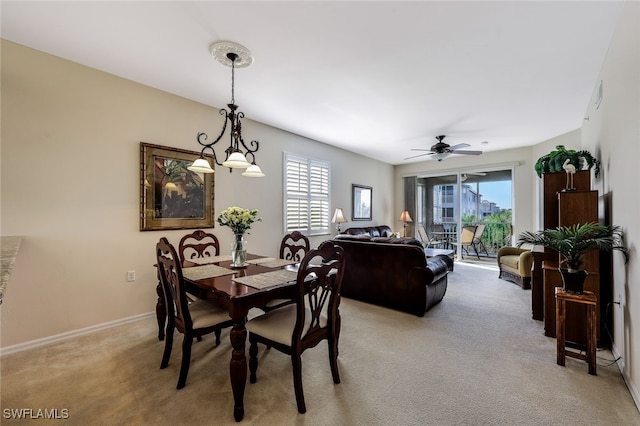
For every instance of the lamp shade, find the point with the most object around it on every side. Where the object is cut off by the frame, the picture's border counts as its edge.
(404, 216)
(440, 156)
(200, 166)
(253, 171)
(338, 217)
(236, 160)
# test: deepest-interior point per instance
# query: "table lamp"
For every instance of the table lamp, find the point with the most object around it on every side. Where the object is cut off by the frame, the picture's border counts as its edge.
(404, 216)
(338, 219)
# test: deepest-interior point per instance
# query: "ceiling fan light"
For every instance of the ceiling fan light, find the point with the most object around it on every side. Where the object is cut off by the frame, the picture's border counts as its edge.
(440, 156)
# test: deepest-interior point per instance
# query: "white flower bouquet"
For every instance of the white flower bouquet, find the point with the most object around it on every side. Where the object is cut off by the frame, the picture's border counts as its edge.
(238, 219)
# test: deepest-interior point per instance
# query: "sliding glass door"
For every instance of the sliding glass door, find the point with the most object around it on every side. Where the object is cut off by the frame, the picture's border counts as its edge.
(476, 200)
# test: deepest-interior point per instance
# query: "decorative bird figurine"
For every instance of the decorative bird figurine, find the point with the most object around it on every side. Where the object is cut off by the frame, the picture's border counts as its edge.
(570, 169)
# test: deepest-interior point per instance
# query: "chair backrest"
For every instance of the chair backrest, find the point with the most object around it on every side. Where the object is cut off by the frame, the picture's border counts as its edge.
(170, 272)
(294, 246)
(198, 244)
(422, 233)
(477, 235)
(467, 234)
(319, 281)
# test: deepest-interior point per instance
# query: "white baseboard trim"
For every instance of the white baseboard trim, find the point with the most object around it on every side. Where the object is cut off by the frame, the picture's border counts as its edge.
(622, 367)
(71, 334)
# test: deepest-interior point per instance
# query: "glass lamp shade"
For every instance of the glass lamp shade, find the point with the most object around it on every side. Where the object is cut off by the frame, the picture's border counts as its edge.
(236, 160)
(440, 156)
(200, 166)
(253, 171)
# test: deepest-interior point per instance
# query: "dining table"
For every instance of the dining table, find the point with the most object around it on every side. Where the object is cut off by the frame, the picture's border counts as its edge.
(238, 290)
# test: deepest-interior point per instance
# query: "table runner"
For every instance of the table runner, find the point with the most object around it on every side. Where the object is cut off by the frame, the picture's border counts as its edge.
(205, 271)
(271, 262)
(209, 259)
(268, 279)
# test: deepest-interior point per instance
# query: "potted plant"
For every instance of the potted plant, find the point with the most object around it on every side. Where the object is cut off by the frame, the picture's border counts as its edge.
(553, 161)
(572, 242)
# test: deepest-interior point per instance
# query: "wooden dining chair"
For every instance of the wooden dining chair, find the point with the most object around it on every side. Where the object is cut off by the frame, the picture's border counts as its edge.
(192, 318)
(198, 244)
(313, 317)
(294, 246)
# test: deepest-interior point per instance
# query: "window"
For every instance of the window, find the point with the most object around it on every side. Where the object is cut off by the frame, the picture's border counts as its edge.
(306, 195)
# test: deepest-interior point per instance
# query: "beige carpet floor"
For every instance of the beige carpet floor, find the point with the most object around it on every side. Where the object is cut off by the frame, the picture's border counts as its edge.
(477, 358)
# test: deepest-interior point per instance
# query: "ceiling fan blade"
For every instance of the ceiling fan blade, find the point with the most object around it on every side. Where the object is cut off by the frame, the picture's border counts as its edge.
(460, 145)
(467, 152)
(418, 149)
(419, 155)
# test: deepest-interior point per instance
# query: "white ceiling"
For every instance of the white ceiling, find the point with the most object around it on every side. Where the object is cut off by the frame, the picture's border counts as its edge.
(376, 78)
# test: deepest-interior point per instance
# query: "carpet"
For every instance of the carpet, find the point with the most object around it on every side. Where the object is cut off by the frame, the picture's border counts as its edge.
(477, 358)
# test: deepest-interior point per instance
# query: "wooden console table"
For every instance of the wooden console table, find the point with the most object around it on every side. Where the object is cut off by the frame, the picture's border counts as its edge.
(589, 300)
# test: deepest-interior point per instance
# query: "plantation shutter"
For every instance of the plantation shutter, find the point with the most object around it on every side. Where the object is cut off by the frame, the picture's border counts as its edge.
(307, 195)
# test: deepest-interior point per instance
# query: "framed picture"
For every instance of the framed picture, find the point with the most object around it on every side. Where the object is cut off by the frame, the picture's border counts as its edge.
(361, 202)
(172, 197)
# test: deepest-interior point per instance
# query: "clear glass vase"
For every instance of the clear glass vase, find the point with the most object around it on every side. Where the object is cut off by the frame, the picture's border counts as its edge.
(238, 251)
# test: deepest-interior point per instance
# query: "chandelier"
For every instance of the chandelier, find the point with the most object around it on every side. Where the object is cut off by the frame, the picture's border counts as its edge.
(237, 154)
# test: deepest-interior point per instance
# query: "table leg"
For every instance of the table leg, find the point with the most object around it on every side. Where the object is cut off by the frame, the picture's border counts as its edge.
(238, 367)
(161, 312)
(560, 307)
(591, 340)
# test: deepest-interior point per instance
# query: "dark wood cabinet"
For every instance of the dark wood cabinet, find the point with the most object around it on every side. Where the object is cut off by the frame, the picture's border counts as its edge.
(574, 207)
(552, 184)
(565, 208)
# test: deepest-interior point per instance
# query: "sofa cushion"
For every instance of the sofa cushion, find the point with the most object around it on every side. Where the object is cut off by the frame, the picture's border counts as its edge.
(510, 261)
(373, 231)
(400, 240)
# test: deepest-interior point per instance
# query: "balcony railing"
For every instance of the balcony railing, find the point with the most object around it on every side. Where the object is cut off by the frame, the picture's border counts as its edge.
(495, 236)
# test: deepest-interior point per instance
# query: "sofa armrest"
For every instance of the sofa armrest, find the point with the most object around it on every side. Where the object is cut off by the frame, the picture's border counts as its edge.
(526, 263)
(510, 251)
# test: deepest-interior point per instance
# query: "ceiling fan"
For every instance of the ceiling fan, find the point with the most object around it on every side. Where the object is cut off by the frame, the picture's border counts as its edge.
(442, 150)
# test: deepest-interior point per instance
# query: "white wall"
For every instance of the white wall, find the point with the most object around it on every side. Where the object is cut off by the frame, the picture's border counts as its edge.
(612, 134)
(70, 186)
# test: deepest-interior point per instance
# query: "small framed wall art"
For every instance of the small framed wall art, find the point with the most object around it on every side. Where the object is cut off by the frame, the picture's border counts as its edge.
(361, 199)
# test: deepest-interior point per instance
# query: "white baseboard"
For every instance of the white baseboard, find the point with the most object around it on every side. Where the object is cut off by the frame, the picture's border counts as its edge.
(71, 334)
(623, 370)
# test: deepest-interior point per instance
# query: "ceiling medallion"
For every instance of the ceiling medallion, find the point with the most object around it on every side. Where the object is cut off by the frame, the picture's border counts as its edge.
(220, 51)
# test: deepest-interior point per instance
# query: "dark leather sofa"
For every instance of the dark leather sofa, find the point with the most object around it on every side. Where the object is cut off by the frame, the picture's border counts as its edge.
(392, 272)
(373, 231)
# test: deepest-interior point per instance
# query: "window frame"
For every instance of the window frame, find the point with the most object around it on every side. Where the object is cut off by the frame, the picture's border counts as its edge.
(309, 196)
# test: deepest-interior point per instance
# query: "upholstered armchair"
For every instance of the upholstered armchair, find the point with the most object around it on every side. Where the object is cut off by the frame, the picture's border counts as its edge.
(515, 265)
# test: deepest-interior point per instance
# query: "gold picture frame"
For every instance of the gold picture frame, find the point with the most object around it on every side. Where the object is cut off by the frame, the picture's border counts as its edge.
(172, 197)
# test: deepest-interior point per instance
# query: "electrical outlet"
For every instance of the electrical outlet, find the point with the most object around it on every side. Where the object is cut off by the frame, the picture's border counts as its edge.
(131, 276)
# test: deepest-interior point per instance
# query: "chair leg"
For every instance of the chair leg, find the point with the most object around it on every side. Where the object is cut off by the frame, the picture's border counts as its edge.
(168, 345)
(253, 359)
(217, 333)
(333, 359)
(186, 360)
(296, 362)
